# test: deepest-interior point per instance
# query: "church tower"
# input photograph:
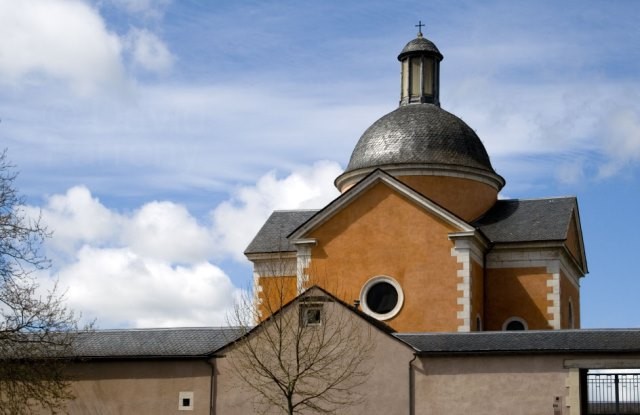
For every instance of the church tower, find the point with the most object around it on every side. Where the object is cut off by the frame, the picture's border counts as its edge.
(418, 237)
(424, 146)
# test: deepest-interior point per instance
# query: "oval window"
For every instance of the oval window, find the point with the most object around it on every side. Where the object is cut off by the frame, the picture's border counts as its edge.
(381, 297)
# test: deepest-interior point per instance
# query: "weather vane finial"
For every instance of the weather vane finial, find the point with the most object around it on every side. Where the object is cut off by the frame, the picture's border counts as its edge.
(420, 25)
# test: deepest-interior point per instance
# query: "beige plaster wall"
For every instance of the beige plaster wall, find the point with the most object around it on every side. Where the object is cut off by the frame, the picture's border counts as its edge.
(139, 387)
(490, 385)
(385, 390)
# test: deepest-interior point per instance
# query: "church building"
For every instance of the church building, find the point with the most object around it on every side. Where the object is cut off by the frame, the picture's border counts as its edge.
(471, 303)
(418, 237)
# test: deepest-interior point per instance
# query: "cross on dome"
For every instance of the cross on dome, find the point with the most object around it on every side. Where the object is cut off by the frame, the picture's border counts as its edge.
(420, 25)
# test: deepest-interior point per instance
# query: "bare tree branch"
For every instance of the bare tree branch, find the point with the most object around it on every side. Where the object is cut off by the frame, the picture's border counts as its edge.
(36, 329)
(294, 363)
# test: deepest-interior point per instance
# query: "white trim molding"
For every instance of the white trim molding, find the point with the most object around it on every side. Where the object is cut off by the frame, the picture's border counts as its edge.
(552, 257)
(374, 281)
(303, 260)
(468, 246)
(553, 295)
(492, 179)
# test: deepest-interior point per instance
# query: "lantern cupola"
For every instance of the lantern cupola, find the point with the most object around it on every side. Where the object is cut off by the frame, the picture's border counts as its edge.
(420, 71)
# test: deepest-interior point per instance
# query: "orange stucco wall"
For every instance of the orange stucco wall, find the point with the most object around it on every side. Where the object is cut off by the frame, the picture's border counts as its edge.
(517, 292)
(275, 292)
(569, 291)
(454, 194)
(383, 233)
(477, 294)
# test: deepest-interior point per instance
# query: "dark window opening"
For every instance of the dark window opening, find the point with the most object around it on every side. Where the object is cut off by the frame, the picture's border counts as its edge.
(186, 402)
(310, 315)
(515, 325)
(382, 298)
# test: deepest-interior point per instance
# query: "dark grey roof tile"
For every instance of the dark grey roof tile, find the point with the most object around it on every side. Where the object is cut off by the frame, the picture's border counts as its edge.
(528, 220)
(549, 341)
(419, 134)
(272, 237)
(172, 342)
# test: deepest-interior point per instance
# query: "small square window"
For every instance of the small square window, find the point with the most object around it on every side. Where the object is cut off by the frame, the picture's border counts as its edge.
(185, 401)
(310, 315)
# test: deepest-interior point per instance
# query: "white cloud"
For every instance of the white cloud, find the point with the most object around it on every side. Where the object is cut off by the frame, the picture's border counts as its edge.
(61, 39)
(166, 231)
(148, 51)
(622, 140)
(122, 288)
(152, 266)
(567, 135)
(76, 218)
(236, 221)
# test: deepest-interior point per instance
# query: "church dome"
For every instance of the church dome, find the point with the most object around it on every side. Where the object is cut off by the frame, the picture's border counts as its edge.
(425, 147)
(419, 134)
(421, 45)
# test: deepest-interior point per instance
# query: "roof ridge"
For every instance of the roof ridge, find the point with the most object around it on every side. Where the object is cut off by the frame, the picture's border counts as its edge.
(538, 198)
(137, 329)
(296, 210)
(527, 332)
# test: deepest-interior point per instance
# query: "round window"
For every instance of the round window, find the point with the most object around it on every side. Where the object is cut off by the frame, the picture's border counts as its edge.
(381, 297)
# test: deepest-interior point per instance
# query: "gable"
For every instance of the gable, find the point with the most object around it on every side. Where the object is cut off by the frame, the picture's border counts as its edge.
(272, 237)
(313, 294)
(374, 180)
(380, 215)
(552, 220)
(383, 235)
(574, 241)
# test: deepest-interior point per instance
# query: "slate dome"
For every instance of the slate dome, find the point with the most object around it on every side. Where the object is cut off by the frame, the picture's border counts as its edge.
(419, 143)
(419, 134)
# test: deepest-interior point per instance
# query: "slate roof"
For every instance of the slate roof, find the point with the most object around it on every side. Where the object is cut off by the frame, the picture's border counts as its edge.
(272, 237)
(153, 343)
(527, 220)
(549, 341)
(423, 134)
(508, 221)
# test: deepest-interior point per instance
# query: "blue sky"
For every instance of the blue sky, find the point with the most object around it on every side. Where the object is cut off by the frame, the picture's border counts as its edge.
(156, 136)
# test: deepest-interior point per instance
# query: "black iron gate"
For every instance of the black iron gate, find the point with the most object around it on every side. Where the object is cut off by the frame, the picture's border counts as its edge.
(613, 393)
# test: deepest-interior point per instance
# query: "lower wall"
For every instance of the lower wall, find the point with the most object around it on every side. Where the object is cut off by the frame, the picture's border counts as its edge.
(139, 387)
(479, 385)
(461, 385)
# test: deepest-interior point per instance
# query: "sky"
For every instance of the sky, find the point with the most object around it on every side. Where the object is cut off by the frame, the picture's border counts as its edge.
(155, 137)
